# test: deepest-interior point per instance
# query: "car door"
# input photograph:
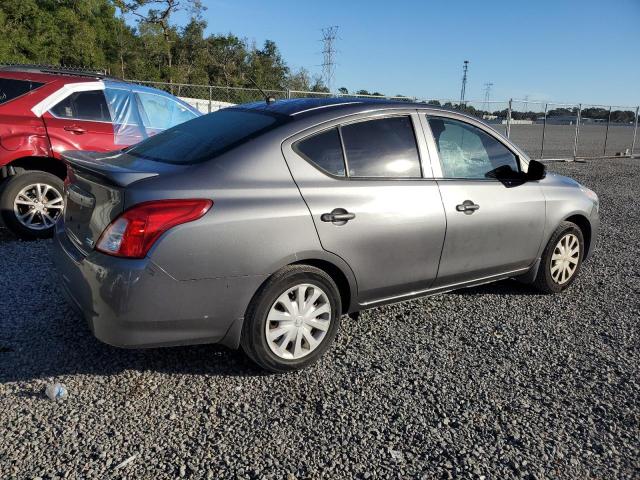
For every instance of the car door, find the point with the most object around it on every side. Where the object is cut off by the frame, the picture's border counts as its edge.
(81, 121)
(362, 181)
(495, 219)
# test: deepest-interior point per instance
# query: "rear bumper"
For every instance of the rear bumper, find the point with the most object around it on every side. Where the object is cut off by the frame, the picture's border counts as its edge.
(134, 303)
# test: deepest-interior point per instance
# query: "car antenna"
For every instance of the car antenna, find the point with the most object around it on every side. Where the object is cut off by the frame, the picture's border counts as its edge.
(267, 98)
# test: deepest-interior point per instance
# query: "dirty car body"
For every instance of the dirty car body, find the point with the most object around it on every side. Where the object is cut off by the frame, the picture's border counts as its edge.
(388, 199)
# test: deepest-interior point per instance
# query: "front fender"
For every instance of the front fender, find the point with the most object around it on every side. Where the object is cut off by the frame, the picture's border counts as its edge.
(564, 199)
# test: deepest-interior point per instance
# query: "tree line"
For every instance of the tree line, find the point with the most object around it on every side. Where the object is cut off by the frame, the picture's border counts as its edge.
(94, 34)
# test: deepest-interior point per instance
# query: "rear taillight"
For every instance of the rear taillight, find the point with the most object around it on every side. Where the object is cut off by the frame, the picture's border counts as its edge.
(133, 233)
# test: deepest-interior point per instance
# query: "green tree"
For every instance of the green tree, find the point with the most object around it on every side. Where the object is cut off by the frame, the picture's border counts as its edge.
(93, 33)
(59, 32)
(267, 67)
(158, 15)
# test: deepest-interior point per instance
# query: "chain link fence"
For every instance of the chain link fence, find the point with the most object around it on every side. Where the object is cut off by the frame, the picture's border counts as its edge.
(544, 130)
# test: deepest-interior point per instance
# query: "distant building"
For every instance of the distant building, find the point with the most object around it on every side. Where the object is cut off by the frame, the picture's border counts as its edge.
(568, 120)
(559, 120)
(518, 122)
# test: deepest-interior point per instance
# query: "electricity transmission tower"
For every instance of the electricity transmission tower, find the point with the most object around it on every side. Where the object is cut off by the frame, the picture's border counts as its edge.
(329, 36)
(487, 95)
(464, 81)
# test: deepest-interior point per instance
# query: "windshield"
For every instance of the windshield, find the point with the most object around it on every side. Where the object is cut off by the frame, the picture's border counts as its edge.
(205, 137)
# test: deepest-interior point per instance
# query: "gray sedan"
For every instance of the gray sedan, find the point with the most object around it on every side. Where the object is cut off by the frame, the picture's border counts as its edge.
(261, 225)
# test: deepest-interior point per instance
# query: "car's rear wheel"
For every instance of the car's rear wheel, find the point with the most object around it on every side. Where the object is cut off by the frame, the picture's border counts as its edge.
(561, 259)
(31, 203)
(292, 320)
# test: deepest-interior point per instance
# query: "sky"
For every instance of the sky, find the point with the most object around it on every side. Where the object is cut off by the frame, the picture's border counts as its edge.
(550, 50)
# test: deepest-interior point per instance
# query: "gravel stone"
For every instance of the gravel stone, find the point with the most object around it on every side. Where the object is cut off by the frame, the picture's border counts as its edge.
(490, 382)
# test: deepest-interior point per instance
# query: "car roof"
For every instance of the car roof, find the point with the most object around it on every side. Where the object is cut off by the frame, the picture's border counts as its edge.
(48, 73)
(298, 106)
(306, 107)
(313, 111)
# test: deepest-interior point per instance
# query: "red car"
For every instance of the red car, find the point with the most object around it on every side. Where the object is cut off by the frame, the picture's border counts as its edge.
(44, 112)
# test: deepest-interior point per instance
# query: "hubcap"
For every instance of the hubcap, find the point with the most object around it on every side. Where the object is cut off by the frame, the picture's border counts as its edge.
(38, 206)
(298, 321)
(564, 260)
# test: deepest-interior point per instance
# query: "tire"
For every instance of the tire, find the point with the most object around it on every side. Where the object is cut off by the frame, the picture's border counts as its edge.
(279, 354)
(552, 276)
(17, 188)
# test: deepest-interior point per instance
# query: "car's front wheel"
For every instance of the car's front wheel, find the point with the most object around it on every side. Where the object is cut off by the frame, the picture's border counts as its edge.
(561, 259)
(31, 203)
(292, 320)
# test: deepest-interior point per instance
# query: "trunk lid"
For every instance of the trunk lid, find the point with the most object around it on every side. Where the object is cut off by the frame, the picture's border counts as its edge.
(95, 191)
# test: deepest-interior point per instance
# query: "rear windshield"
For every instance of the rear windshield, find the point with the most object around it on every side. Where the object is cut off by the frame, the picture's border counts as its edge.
(204, 137)
(10, 88)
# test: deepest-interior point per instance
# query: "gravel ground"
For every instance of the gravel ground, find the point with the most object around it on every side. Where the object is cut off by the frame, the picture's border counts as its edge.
(490, 382)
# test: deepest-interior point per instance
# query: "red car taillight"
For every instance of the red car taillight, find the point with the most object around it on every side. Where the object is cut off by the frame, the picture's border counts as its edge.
(133, 233)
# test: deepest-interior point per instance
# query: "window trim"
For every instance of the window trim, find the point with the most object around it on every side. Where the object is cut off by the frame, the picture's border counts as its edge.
(294, 147)
(75, 119)
(339, 123)
(433, 148)
(63, 92)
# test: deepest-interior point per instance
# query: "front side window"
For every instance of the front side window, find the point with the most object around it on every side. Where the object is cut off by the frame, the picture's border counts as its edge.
(384, 147)
(468, 152)
(160, 112)
(324, 150)
(203, 138)
(10, 88)
(89, 105)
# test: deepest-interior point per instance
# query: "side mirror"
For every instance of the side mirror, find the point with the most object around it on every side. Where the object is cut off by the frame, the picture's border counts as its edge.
(536, 171)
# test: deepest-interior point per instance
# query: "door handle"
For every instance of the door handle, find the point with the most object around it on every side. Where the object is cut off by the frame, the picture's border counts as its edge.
(338, 216)
(75, 129)
(467, 207)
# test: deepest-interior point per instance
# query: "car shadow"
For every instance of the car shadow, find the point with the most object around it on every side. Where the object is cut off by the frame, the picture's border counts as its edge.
(67, 347)
(6, 235)
(503, 287)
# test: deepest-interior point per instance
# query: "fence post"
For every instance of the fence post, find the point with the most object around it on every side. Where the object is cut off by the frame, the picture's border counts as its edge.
(288, 93)
(575, 140)
(509, 117)
(210, 97)
(635, 130)
(544, 129)
(606, 134)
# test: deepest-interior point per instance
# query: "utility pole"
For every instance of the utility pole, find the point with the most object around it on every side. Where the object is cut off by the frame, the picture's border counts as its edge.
(465, 67)
(487, 95)
(329, 35)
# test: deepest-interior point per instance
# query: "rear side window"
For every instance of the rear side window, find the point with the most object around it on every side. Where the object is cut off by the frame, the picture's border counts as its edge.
(160, 112)
(10, 88)
(384, 147)
(89, 105)
(324, 150)
(204, 137)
